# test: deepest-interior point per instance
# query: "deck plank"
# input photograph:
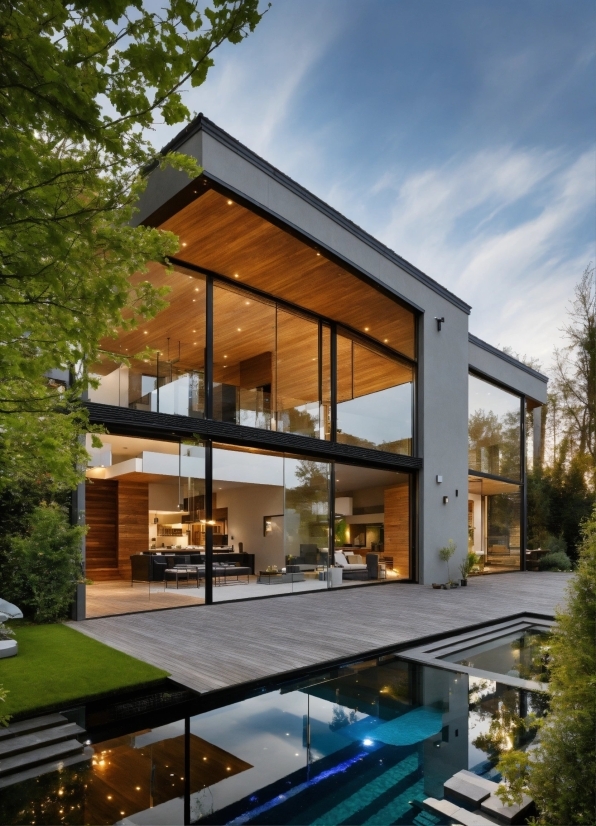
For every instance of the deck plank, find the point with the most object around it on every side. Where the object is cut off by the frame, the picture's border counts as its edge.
(227, 644)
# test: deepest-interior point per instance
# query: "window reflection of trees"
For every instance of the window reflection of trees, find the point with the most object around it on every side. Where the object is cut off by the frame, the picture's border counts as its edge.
(494, 443)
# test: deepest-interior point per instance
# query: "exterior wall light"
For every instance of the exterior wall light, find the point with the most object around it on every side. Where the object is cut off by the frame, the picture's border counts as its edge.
(445, 500)
(439, 322)
(439, 480)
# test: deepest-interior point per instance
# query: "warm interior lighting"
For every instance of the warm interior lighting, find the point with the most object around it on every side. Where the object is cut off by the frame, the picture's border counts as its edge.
(230, 203)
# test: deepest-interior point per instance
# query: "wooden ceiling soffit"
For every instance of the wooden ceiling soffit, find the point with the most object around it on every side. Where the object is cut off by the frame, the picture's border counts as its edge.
(220, 235)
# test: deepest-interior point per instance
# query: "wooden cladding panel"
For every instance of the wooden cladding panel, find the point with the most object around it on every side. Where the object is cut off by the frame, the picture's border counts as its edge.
(101, 516)
(133, 522)
(397, 527)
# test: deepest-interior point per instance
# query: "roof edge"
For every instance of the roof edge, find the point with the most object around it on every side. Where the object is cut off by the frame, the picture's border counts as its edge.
(201, 123)
(478, 342)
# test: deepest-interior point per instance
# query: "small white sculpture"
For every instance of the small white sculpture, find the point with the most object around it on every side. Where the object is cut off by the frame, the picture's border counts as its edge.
(8, 611)
(11, 611)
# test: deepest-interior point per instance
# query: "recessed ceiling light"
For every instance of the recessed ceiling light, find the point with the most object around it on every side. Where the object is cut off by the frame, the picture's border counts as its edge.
(366, 329)
(385, 340)
(236, 275)
(194, 344)
(184, 243)
(247, 302)
(193, 301)
(239, 329)
(145, 331)
(225, 357)
(230, 203)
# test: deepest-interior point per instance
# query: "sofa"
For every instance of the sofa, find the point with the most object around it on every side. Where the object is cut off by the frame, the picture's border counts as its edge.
(310, 559)
(352, 565)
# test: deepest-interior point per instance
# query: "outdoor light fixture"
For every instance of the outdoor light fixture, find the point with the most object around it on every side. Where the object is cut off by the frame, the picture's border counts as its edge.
(439, 322)
(439, 480)
(445, 500)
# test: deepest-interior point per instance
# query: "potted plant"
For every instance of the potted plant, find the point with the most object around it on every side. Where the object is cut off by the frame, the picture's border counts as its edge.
(466, 566)
(445, 554)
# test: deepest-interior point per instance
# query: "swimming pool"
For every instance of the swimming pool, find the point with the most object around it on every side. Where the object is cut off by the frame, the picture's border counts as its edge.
(362, 744)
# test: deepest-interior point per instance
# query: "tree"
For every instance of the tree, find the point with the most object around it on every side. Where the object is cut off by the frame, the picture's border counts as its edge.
(80, 85)
(567, 748)
(575, 374)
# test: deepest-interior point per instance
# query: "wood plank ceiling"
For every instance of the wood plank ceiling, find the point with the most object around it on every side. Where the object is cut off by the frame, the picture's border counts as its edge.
(220, 235)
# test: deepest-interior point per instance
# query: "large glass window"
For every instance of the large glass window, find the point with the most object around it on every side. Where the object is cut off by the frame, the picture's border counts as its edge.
(145, 514)
(243, 358)
(372, 523)
(374, 398)
(159, 366)
(494, 523)
(271, 367)
(494, 430)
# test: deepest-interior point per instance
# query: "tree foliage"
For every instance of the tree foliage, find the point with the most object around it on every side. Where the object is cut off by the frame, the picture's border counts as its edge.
(561, 773)
(80, 85)
(44, 565)
(562, 482)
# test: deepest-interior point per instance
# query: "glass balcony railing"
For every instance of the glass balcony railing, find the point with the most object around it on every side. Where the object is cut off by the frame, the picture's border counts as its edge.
(162, 388)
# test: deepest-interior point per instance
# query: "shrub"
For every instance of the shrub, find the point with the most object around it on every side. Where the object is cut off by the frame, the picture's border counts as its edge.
(560, 774)
(555, 561)
(555, 544)
(4, 718)
(46, 563)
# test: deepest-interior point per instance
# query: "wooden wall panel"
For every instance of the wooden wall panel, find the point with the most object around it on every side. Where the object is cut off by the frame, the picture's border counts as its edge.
(397, 527)
(133, 522)
(101, 516)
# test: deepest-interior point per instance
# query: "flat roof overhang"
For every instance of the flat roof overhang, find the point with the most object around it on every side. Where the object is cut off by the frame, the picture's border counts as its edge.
(245, 178)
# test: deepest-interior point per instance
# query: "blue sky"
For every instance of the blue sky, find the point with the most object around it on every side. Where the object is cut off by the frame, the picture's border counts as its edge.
(458, 132)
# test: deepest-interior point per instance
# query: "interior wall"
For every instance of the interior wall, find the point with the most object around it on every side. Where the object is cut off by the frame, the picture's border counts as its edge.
(476, 498)
(247, 505)
(163, 497)
(397, 527)
(369, 497)
(101, 517)
(133, 522)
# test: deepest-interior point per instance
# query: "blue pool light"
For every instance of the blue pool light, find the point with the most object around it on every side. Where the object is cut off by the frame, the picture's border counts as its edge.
(367, 742)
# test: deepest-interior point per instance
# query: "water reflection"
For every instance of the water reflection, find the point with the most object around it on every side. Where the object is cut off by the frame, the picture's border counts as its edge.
(366, 744)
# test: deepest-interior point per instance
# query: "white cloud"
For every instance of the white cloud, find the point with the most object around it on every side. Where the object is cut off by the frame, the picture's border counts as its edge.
(496, 228)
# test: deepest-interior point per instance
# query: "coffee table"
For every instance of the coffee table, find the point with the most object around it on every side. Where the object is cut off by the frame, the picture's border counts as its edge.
(270, 576)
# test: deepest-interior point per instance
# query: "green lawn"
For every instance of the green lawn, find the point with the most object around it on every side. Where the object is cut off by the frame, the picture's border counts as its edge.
(57, 666)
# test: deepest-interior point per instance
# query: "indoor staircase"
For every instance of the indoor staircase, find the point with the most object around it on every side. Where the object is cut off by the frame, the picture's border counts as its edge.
(38, 746)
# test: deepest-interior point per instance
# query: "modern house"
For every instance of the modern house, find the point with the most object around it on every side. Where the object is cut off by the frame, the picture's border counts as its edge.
(308, 398)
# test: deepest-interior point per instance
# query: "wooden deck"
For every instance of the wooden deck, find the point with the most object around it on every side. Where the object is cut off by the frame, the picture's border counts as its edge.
(227, 644)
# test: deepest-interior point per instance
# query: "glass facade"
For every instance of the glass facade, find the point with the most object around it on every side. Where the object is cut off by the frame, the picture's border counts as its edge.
(494, 430)
(272, 368)
(374, 398)
(497, 453)
(159, 366)
(274, 523)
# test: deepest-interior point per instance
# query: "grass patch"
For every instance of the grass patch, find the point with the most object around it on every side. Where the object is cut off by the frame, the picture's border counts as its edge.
(57, 666)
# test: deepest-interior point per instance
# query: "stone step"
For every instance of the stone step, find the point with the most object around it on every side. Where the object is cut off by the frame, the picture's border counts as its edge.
(46, 768)
(33, 724)
(466, 787)
(456, 814)
(35, 739)
(37, 757)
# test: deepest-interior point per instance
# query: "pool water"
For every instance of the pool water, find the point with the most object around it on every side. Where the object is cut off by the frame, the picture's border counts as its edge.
(364, 744)
(523, 655)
